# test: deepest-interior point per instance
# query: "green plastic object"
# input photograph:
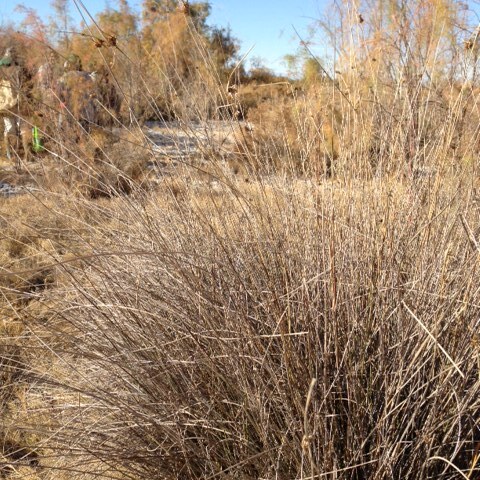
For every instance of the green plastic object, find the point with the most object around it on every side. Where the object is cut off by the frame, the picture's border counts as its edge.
(36, 141)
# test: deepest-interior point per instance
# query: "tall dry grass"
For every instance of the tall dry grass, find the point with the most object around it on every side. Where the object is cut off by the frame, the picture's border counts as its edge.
(287, 331)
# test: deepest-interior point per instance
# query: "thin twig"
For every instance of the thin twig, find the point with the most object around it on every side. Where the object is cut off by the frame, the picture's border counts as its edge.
(434, 339)
(468, 230)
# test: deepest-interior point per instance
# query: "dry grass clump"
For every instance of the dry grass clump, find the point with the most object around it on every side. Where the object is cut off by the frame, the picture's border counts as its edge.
(102, 164)
(295, 133)
(255, 93)
(280, 330)
(344, 130)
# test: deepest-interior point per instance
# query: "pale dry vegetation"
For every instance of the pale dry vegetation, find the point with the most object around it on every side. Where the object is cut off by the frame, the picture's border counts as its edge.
(298, 299)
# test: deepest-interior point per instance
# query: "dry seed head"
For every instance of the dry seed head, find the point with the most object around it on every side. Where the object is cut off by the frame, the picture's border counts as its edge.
(184, 7)
(112, 41)
(232, 89)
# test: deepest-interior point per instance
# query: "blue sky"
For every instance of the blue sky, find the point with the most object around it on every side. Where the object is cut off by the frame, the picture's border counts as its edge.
(265, 25)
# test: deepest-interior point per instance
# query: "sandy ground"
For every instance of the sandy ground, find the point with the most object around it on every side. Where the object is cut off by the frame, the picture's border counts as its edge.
(175, 139)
